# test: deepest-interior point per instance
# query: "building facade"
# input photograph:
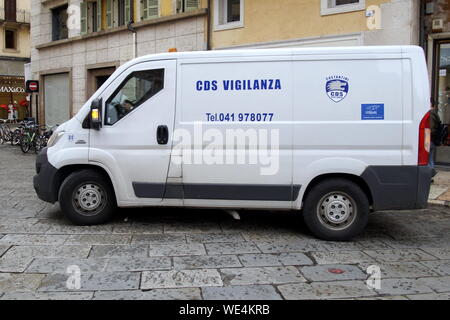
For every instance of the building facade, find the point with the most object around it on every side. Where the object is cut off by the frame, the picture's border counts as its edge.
(14, 54)
(297, 23)
(77, 44)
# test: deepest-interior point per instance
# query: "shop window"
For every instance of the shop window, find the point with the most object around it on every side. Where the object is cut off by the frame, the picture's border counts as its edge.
(10, 39)
(340, 6)
(187, 5)
(59, 23)
(228, 14)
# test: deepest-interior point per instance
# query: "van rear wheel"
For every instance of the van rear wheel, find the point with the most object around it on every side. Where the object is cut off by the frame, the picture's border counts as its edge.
(87, 198)
(336, 209)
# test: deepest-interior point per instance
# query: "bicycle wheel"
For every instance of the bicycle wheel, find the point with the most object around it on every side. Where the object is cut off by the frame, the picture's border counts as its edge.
(25, 143)
(15, 137)
(38, 144)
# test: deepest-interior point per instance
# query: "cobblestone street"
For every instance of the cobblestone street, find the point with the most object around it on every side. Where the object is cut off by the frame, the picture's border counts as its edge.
(156, 253)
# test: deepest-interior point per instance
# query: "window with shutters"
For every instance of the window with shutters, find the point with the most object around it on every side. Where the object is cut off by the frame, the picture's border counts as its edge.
(341, 6)
(149, 9)
(118, 13)
(59, 23)
(91, 16)
(228, 14)
(187, 5)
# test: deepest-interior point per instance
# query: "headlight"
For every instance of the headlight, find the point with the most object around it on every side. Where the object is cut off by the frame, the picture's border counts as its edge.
(54, 138)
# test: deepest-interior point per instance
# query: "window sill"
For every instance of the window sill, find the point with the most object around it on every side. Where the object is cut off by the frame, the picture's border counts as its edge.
(228, 26)
(343, 9)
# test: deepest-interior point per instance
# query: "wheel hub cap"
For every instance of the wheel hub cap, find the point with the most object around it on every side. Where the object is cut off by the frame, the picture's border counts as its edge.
(88, 197)
(336, 210)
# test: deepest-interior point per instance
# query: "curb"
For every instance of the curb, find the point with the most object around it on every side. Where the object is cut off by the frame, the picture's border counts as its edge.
(439, 203)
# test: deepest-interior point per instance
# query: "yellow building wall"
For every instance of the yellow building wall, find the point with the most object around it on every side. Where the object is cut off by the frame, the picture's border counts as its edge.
(23, 49)
(23, 41)
(268, 20)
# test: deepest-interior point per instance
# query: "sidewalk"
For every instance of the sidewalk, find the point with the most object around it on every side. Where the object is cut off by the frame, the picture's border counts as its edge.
(440, 189)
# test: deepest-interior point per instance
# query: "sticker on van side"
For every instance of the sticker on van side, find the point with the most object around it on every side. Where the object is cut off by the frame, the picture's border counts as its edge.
(337, 87)
(373, 111)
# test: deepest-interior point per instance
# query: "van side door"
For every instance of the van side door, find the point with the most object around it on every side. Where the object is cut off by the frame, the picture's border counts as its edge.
(134, 143)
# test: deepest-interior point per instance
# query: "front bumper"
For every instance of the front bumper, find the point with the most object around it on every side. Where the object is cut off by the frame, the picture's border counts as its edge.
(398, 187)
(46, 180)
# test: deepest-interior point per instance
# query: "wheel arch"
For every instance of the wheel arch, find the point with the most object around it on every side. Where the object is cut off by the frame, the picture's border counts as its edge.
(66, 170)
(351, 177)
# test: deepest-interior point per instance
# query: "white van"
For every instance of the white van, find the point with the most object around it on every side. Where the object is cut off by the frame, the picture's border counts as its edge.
(333, 133)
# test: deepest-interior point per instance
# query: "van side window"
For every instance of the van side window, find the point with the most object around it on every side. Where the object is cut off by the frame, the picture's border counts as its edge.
(137, 88)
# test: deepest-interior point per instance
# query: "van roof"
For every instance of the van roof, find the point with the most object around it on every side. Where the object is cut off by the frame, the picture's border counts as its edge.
(277, 51)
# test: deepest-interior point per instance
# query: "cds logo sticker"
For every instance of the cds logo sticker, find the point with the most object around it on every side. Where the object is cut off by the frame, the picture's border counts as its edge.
(337, 87)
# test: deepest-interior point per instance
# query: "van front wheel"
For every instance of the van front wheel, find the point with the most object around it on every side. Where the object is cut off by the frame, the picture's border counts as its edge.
(336, 209)
(87, 198)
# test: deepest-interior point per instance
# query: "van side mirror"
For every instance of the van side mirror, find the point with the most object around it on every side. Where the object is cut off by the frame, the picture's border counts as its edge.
(96, 114)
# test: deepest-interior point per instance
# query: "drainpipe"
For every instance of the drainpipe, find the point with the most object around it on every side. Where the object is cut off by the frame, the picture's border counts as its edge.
(132, 29)
(208, 27)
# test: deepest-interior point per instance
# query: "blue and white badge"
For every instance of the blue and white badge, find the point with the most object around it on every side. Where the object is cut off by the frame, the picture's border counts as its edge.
(337, 87)
(373, 111)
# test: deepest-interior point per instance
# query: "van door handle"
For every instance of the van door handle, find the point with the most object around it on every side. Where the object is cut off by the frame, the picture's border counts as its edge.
(162, 134)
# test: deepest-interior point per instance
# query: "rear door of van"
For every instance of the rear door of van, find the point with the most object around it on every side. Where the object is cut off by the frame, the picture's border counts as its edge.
(134, 144)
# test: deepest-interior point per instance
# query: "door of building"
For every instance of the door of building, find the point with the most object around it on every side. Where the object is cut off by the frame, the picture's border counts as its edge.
(56, 98)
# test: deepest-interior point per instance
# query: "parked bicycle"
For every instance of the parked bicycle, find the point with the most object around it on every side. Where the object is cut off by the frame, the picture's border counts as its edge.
(35, 137)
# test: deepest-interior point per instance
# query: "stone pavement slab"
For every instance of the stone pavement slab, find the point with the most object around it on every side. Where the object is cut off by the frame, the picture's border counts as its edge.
(60, 265)
(93, 281)
(206, 262)
(439, 252)
(399, 255)
(429, 296)
(214, 237)
(252, 292)
(438, 284)
(154, 294)
(340, 257)
(403, 269)
(47, 296)
(441, 267)
(261, 275)
(158, 238)
(3, 249)
(13, 282)
(180, 279)
(139, 264)
(177, 249)
(98, 239)
(325, 290)
(138, 228)
(130, 251)
(32, 239)
(231, 248)
(403, 286)
(332, 272)
(275, 259)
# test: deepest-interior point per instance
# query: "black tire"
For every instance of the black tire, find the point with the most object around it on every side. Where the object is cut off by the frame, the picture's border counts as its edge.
(93, 185)
(336, 209)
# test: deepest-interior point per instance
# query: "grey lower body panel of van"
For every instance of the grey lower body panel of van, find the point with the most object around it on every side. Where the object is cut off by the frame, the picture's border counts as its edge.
(398, 187)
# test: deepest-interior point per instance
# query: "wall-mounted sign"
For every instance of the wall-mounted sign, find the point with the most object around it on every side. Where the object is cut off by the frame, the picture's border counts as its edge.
(32, 86)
